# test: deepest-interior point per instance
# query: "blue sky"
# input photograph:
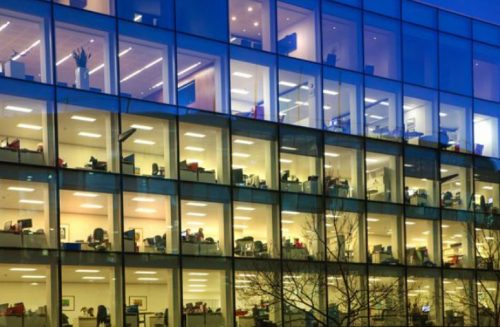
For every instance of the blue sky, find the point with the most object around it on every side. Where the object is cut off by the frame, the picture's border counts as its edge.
(487, 10)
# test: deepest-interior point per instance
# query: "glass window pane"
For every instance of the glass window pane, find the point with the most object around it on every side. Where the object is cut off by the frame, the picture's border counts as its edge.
(421, 177)
(300, 162)
(301, 234)
(299, 29)
(342, 40)
(383, 174)
(424, 297)
(456, 24)
(420, 116)
(456, 182)
(420, 55)
(344, 171)
(342, 101)
(299, 93)
(455, 63)
(201, 74)
(388, 8)
(83, 54)
(382, 47)
(387, 297)
(418, 13)
(87, 132)
(251, 24)
(486, 72)
(486, 32)
(383, 113)
(422, 242)
(486, 185)
(457, 243)
(384, 238)
(252, 74)
(345, 236)
(486, 129)
(459, 298)
(146, 64)
(487, 292)
(25, 51)
(151, 12)
(100, 6)
(455, 131)
(202, 17)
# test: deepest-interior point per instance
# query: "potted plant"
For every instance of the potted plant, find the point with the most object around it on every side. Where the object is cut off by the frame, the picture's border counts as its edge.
(78, 3)
(81, 58)
(15, 68)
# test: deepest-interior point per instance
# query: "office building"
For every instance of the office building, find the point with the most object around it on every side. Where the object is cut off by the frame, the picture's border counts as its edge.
(248, 163)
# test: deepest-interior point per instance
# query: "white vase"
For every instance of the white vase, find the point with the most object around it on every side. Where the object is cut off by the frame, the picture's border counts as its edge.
(15, 69)
(82, 78)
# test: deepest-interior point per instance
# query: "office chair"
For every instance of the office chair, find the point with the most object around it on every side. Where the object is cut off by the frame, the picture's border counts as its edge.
(160, 243)
(102, 316)
(98, 242)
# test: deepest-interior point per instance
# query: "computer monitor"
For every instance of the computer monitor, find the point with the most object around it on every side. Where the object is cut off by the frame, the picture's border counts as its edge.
(426, 308)
(7, 225)
(130, 159)
(129, 235)
(25, 223)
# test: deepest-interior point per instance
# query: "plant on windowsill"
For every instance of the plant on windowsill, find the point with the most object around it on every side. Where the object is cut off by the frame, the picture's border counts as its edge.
(78, 3)
(14, 67)
(81, 58)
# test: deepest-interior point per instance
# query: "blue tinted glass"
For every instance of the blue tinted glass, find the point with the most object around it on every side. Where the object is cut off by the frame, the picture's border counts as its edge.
(355, 3)
(250, 24)
(382, 47)
(151, 12)
(342, 39)
(486, 72)
(455, 24)
(455, 73)
(486, 32)
(455, 118)
(202, 17)
(386, 7)
(419, 55)
(420, 116)
(486, 128)
(419, 14)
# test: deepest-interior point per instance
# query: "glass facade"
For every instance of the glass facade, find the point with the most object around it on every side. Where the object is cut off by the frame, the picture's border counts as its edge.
(248, 163)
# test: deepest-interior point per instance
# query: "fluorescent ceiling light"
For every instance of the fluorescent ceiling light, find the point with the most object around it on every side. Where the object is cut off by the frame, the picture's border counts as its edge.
(286, 160)
(83, 118)
(18, 109)
(196, 204)
(196, 291)
(145, 142)
(93, 277)
(101, 66)
(29, 126)
(242, 75)
(194, 148)
(443, 170)
(198, 280)
(242, 208)
(197, 135)
(91, 135)
(376, 117)
(197, 274)
(142, 127)
(87, 271)
(330, 92)
(372, 219)
(245, 142)
(196, 214)
(145, 272)
(145, 210)
(22, 269)
(410, 222)
(25, 51)
(148, 279)
(331, 154)
(64, 59)
(282, 99)
(137, 17)
(86, 194)
(33, 276)
(289, 84)
(488, 187)
(193, 66)
(445, 226)
(20, 189)
(370, 100)
(327, 107)
(91, 206)
(26, 201)
(328, 166)
(302, 103)
(371, 160)
(239, 91)
(284, 221)
(289, 212)
(4, 26)
(143, 199)
(137, 72)
(242, 218)
(443, 114)
(407, 107)
(240, 155)
(289, 148)
(124, 52)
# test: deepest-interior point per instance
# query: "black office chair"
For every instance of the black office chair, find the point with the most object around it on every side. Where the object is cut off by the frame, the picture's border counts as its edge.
(160, 243)
(102, 316)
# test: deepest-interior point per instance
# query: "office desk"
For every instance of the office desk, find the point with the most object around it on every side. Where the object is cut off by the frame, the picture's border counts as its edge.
(10, 239)
(205, 320)
(156, 322)
(87, 322)
(26, 321)
(11, 321)
(246, 322)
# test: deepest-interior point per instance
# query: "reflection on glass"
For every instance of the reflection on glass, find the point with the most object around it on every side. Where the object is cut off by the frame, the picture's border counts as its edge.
(345, 237)
(387, 298)
(343, 172)
(148, 223)
(151, 12)
(297, 28)
(456, 183)
(486, 66)
(422, 242)
(383, 180)
(204, 228)
(205, 298)
(250, 23)
(487, 248)
(455, 130)
(88, 221)
(83, 283)
(149, 152)
(421, 181)
(384, 239)
(302, 233)
(424, 298)
(457, 244)
(486, 185)
(299, 173)
(459, 297)
(486, 129)
(420, 116)
(343, 308)
(487, 293)
(101, 6)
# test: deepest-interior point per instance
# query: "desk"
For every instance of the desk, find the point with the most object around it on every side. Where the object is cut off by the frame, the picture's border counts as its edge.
(205, 320)
(297, 254)
(10, 239)
(26, 321)
(18, 240)
(156, 322)
(87, 322)
(246, 322)
(11, 321)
